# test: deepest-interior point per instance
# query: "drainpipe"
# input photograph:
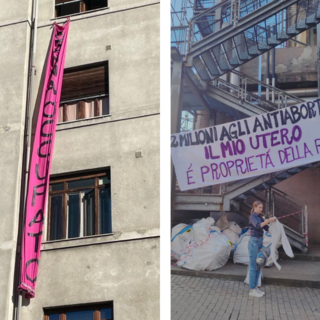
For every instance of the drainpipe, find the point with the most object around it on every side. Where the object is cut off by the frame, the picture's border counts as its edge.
(273, 71)
(268, 75)
(318, 57)
(260, 75)
(31, 74)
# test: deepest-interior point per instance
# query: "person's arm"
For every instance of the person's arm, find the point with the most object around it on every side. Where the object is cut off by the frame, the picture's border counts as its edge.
(266, 222)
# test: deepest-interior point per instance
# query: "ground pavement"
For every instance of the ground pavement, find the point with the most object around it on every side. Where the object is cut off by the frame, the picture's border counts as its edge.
(198, 298)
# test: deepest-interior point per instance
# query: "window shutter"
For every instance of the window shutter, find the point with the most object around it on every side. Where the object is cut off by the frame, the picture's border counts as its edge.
(85, 82)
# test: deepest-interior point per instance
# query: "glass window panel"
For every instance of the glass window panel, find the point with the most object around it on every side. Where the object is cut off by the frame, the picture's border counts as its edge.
(80, 315)
(68, 8)
(105, 105)
(106, 314)
(88, 205)
(56, 217)
(95, 4)
(54, 316)
(56, 186)
(73, 216)
(81, 183)
(105, 210)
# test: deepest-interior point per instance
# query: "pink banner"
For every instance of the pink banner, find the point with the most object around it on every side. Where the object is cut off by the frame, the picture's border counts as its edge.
(40, 164)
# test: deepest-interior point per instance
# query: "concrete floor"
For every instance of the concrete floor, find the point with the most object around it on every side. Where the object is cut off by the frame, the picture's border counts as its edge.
(312, 255)
(293, 273)
(194, 298)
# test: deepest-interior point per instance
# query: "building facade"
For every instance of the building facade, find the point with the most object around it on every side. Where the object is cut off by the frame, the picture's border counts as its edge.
(100, 246)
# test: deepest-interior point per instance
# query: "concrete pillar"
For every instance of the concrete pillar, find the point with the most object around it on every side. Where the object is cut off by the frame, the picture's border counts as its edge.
(176, 110)
(318, 57)
(203, 119)
(176, 95)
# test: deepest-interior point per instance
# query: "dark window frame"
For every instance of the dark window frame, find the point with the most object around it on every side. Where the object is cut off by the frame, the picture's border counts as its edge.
(64, 310)
(66, 191)
(81, 99)
(84, 6)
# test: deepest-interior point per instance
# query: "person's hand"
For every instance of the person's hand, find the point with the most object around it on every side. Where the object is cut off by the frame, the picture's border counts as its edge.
(272, 219)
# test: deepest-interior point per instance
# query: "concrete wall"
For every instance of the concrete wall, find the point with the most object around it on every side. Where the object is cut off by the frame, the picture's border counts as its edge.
(305, 187)
(15, 11)
(293, 65)
(14, 37)
(124, 272)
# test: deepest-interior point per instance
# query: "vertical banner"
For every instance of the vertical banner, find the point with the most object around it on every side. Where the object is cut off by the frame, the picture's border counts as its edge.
(40, 164)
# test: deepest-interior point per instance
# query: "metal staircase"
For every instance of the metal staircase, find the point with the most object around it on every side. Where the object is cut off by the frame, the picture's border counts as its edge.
(279, 204)
(223, 36)
(233, 32)
(225, 95)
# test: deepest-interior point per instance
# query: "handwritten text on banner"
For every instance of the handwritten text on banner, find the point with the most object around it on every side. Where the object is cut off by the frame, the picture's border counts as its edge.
(269, 142)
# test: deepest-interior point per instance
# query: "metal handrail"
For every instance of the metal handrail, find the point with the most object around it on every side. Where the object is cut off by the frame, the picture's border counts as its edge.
(240, 74)
(236, 12)
(304, 212)
(243, 94)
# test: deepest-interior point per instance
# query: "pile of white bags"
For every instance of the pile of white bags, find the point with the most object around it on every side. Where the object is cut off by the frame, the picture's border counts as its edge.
(202, 248)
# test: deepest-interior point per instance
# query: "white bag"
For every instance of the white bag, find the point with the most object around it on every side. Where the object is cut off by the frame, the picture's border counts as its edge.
(202, 229)
(232, 233)
(182, 237)
(279, 238)
(209, 255)
(241, 251)
(186, 236)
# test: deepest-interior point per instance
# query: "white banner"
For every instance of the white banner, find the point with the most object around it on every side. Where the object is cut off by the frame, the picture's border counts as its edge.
(266, 143)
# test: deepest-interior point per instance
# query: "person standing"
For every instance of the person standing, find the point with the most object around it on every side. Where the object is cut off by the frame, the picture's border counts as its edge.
(256, 226)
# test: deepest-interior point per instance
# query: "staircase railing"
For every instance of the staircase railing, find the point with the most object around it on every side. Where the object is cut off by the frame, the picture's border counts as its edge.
(233, 32)
(270, 95)
(221, 15)
(290, 211)
(245, 90)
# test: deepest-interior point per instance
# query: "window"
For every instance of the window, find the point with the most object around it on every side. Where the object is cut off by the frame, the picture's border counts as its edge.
(85, 92)
(67, 7)
(79, 206)
(97, 312)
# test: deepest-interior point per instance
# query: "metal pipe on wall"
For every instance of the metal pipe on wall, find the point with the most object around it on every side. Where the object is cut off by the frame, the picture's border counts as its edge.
(28, 137)
(268, 74)
(260, 75)
(318, 57)
(273, 71)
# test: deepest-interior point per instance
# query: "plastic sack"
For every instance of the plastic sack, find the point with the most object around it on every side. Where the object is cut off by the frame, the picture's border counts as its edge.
(232, 232)
(209, 255)
(279, 238)
(241, 251)
(202, 228)
(182, 237)
(186, 236)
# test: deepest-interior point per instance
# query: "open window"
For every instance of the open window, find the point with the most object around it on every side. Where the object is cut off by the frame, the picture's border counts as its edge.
(85, 92)
(67, 7)
(90, 312)
(79, 206)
